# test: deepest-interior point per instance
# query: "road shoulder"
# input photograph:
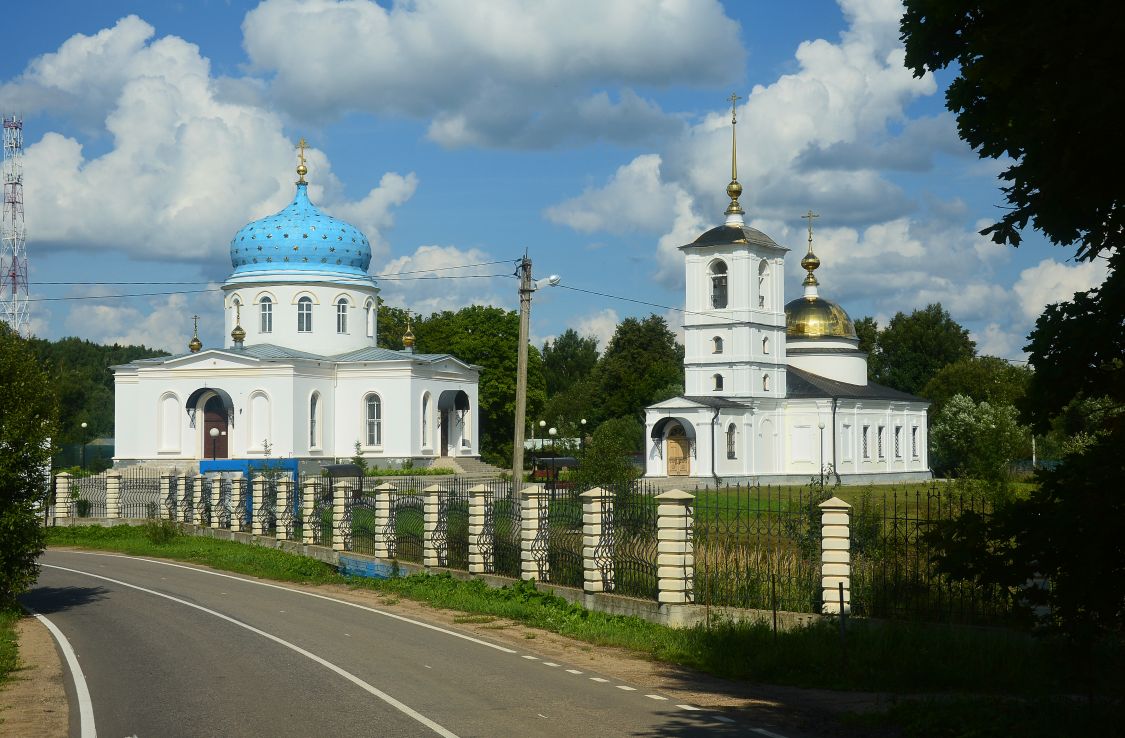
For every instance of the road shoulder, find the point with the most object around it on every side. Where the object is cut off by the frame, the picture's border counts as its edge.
(33, 701)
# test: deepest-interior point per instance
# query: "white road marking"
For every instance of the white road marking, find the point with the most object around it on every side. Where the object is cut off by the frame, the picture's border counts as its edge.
(627, 689)
(549, 663)
(384, 613)
(599, 680)
(722, 719)
(767, 733)
(401, 707)
(655, 697)
(688, 707)
(85, 704)
(573, 671)
(531, 658)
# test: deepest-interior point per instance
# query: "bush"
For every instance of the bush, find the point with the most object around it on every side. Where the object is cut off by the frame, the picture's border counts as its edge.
(161, 532)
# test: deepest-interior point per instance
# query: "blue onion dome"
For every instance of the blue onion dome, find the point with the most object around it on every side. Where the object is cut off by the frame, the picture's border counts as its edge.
(301, 240)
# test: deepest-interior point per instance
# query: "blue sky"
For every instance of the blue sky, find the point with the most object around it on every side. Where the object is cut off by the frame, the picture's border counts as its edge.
(593, 134)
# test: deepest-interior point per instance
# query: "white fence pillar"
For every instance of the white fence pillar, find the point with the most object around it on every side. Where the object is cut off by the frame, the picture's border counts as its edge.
(64, 506)
(237, 501)
(481, 556)
(284, 508)
(257, 500)
(308, 504)
(435, 531)
(198, 500)
(384, 538)
(113, 494)
(675, 557)
(340, 493)
(597, 540)
(835, 556)
(216, 500)
(533, 533)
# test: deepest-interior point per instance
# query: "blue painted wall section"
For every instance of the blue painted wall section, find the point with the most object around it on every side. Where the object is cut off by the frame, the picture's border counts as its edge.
(350, 566)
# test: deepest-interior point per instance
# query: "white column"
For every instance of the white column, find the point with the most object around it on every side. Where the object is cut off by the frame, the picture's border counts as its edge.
(197, 500)
(340, 492)
(308, 504)
(533, 533)
(284, 509)
(434, 552)
(63, 501)
(237, 501)
(479, 538)
(257, 499)
(835, 555)
(383, 512)
(597, 540)
(675, 558)
(216, 500)
(113, 495)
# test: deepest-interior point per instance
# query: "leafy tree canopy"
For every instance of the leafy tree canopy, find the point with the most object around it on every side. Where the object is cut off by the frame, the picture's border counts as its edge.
(606, 460)
(980, 378)
(977, 440)
(641, 359)
(867, 330)
(913, 348)
(568, 359)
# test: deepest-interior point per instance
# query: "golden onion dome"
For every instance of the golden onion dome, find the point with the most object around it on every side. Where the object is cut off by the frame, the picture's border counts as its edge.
(194, 345)
(815, 317)
(238, 334)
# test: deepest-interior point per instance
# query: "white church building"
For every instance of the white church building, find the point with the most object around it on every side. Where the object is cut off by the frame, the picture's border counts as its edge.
(302, 376)
(775, 392)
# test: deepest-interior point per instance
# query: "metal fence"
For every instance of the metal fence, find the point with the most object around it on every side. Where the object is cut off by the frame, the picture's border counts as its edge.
(503, 519)
(89, 496)
(140, 494)
(564, 537)
(630, 548)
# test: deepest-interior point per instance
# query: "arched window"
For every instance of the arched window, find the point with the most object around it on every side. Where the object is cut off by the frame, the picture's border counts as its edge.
(342, 315)
(374, 414)
(732, 441)
(369, 316)
(718, 342)
(718, 382)
(304, 315)
(719, 284)
(765, 344)
(314, 421)
(764, 285)
(765, 383)
(426, 420)
(265, 312)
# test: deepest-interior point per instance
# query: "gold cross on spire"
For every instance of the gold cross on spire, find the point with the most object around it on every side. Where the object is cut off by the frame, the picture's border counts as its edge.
(809, 216)
(734, 98)
(195, 322)
(734, 189)
(302, 170)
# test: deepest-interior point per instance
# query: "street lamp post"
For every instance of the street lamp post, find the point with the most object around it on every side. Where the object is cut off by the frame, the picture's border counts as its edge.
(214, 433)
(821, 426)
(582, 439)
(83, 445)
(554, 459)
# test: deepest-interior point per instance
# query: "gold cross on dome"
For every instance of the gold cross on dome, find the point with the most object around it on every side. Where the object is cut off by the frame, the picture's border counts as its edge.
(809, 216)
(301, 151)
(195, 320)
(734, 98)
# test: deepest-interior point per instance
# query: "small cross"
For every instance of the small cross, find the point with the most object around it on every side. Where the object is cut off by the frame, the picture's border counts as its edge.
(195, 320)
(809, 216)
(734, 98)
(301, 151)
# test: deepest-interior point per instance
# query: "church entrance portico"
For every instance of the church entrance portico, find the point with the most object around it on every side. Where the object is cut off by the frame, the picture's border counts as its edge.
(673, 440)
(453, 411)
(215, 408)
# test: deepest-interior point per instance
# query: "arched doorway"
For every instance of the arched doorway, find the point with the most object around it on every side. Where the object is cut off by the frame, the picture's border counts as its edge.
(214, 416)
(453, 407)
(678, 451)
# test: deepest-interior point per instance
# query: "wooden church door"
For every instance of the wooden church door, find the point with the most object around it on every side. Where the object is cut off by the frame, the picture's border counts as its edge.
(214, 416)
(679, 453)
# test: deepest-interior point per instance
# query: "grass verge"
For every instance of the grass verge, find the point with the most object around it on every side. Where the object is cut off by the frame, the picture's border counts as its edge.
(893, 657)
(9, 647)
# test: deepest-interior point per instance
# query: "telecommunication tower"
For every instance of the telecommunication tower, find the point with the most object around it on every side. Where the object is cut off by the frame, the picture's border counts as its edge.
(14, 305)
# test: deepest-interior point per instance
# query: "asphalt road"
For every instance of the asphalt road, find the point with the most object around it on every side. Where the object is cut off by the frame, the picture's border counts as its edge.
(169, 650)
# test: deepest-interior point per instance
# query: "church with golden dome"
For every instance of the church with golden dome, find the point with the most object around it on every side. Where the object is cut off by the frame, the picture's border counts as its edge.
(775, 391)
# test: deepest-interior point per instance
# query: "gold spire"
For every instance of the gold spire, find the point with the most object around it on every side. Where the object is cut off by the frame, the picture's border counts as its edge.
(810, 263)
(194, 345)
(734, 189)
(408, 337)
(302, 170)
(238, 334)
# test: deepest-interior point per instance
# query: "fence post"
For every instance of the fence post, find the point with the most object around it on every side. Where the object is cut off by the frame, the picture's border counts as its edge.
(308, 504)
(216, 500)
(237, 501)
(533, 533)
(257, 499)
(284, 509)
(340, 492)
(435, 542)
(835, 556)
(597, 540)
(383, 494)
(479, 542)
(164, 505)
(63, 506)
(113, 494)
(675, 557)
(198, 501)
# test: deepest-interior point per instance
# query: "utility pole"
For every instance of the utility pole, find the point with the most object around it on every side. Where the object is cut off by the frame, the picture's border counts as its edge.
(526, 288)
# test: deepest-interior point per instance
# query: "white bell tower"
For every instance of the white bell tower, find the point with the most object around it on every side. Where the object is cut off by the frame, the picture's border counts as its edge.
(734, 327)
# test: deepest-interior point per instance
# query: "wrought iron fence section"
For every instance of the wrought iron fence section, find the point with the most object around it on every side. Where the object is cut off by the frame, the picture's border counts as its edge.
(266, 514)
(171, 500)
(187, 498)
(407, 524)
(503, 522)
(629, 546)
(226, 487)
(454, 519)
(563, 533)
(364, 524)
(140, 494)
(88, 496)
(203, 503)
(320, 520)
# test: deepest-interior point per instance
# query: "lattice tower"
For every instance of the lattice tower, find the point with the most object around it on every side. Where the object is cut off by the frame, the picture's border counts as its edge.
(15, 309)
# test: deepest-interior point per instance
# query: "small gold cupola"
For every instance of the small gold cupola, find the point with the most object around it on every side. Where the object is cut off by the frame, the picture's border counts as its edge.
(195, 345)
(811, 316)
(408, 337)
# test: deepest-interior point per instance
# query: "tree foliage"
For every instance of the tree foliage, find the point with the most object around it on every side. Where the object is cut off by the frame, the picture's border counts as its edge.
(606, 460)
(28, 421)
(641, 360)
(978, 440)
(568, 359)
(981, 378)
(867, 330)
(913, 348)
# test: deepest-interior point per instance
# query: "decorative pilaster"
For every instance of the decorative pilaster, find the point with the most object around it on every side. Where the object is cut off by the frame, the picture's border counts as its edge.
(383, 527)
(216, 500)
(835, 556)
(113, 495)
(675, 557)
(597, 540)
(63, 506)
(237, 501)
(340, 493)
(480, 539)
(308, 505)
(284, 508)
(533, 533)
(257, 500)
(435, 528)
(200, 502)
(166, 507)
